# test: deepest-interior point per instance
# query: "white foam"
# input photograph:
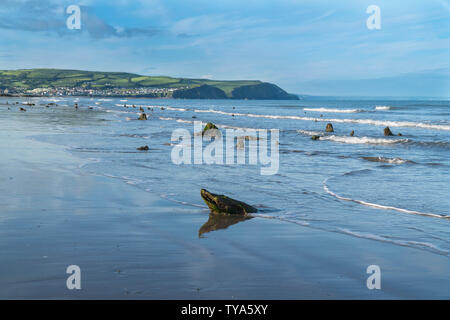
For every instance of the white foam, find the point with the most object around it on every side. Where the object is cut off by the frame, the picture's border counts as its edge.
(221, 126)
(167, 119)
(310, 133)
(362, 140)
(117, 111)
(387, 160)
(352, 140)
(295, 221)
(383, 108)
(400, 242)
(380, 206)
(383, 123)
(331, 110)
(166, 196)
(173, 108)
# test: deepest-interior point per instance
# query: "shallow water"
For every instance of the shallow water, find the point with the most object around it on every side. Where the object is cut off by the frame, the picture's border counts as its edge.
(389, 189)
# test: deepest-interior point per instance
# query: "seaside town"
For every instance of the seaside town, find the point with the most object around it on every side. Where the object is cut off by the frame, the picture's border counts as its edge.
(82, 91)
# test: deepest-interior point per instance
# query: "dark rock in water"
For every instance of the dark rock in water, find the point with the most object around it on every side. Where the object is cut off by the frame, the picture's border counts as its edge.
(143, 148)
(162, 108)
(315, 137)
(22, 109)
(388, 132)
(329, 128)
(220, 221)
(143, 116)
(399, 134)
(352, 133)
(209, 126)
(223, 204)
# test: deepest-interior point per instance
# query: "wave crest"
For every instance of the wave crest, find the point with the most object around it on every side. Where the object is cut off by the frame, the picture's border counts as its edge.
(333, 110)
(352, 140)
(387, 160)
(383, 123)
(383, 107)
(380, 206)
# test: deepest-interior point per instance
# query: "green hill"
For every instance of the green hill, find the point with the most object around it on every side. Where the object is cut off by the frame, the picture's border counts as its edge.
(30, 79)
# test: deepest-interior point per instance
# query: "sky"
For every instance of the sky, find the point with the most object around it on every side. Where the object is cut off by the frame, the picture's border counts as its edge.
(305, 46)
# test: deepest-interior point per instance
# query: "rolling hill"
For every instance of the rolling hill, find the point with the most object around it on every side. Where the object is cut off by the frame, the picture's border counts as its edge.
(30, 79)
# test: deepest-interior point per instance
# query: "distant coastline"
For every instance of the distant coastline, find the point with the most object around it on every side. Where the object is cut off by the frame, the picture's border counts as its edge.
(56, 82)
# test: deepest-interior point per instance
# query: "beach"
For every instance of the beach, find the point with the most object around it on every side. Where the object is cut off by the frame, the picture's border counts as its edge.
(130, 242)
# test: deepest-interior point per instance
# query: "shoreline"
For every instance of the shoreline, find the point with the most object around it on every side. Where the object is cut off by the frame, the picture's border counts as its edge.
(90, 96)
(132, 244)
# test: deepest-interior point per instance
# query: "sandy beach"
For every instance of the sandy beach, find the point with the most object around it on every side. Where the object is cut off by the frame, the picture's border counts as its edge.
(131, 244)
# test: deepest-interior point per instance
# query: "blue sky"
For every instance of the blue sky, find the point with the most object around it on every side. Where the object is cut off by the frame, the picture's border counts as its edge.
(305, 46)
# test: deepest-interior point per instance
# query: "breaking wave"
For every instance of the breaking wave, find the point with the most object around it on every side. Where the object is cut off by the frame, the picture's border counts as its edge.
(383, 123)
(380, 206)
(387, 160)
(383, 108)
(331, 110)
(352, 140)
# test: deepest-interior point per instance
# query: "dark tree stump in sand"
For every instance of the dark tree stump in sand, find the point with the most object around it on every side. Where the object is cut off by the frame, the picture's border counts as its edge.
(224, 205)
(209, 126)
(388, 132)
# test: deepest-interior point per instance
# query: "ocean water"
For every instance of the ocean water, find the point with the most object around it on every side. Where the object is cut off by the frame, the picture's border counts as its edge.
(390, 189)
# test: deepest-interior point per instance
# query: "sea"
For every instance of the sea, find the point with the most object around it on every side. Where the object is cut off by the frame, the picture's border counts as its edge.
(390, 189)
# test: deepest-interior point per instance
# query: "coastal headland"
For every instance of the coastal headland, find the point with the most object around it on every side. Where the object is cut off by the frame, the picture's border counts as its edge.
(56, 82)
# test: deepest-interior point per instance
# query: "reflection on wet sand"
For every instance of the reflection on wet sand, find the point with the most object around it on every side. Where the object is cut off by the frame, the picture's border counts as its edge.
(219, 221)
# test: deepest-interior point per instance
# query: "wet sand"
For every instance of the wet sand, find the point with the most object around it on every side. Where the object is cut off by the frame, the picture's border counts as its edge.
(131, 244)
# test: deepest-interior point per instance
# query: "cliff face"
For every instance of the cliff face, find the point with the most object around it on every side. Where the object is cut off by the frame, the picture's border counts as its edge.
(202, 92)
(263, 91)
